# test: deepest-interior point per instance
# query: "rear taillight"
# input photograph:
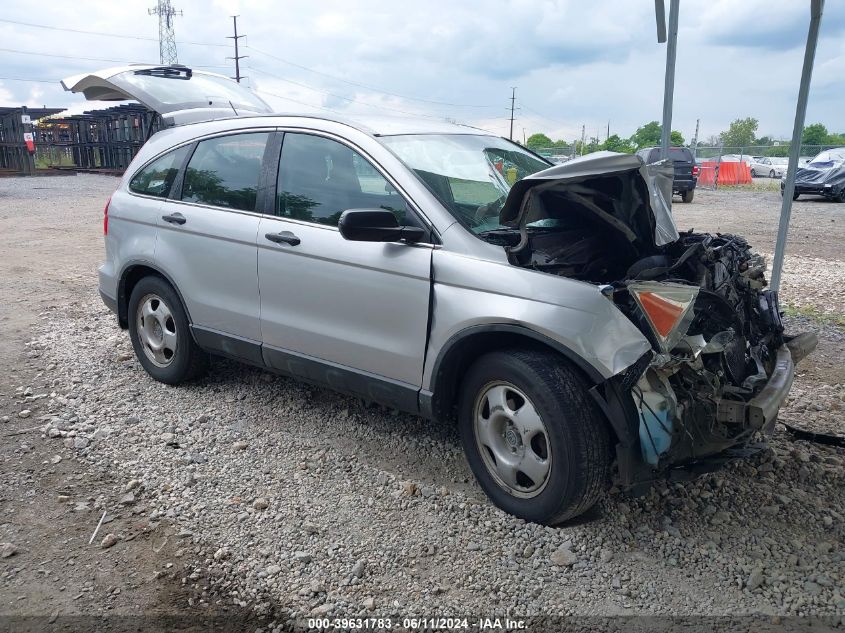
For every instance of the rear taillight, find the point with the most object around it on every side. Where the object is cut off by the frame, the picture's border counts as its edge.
(667, 308)
(106, 217)
(695, 170)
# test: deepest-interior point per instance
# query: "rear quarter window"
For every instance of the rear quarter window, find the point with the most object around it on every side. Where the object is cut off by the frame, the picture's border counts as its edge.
(157, 178)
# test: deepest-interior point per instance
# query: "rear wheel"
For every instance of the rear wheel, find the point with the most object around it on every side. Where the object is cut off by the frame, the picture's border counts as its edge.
(534, 439)
(772, 174)
(753, 173)
(687, 196)
(161, 335)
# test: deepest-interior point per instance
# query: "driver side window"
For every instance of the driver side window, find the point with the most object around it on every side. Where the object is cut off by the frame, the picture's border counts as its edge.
(320, 178)
(223, 172)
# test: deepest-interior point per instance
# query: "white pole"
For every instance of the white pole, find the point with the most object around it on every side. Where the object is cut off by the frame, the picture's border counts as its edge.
(816, 8)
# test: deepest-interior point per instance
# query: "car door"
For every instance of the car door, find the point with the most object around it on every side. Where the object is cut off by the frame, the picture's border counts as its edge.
(207, 240)
(350, 314)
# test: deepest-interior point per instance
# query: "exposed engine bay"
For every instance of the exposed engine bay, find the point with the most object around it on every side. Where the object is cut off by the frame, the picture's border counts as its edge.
(721, 363)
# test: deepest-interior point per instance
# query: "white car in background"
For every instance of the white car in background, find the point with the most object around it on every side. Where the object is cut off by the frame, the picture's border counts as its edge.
(764, 166)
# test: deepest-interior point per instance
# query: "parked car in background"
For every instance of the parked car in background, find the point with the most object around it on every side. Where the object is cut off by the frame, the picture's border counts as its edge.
(824, 176)
(733, 158)
(686, 169)
(558, 318)
(764, 166)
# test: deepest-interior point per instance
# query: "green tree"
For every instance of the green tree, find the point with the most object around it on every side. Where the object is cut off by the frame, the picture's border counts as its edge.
(649, 135)
(740, 133)
(538, 140)
(815, 134)
(616, 144)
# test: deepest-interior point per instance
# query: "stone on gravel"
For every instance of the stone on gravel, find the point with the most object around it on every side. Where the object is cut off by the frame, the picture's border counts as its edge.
(755, 578)
(108, 540)
(358, 569)
(261, 503)
(25, 413)
(564, 557)
(8, 549)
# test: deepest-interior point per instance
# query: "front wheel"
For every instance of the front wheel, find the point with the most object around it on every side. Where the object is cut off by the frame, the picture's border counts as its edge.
(533, 437)
(772, 174)
(161, 334)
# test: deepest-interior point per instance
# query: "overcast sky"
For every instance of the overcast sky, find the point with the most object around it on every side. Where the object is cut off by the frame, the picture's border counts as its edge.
(572, 62)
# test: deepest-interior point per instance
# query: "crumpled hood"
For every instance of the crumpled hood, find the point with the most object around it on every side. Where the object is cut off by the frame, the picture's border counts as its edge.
(657, 178)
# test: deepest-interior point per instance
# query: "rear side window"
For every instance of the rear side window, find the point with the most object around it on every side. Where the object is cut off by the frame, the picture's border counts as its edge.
(677, 154)
(320, 178)
(224, 171)
(156, 178)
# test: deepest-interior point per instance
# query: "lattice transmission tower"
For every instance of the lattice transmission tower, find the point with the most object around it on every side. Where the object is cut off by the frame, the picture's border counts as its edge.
(166, 37)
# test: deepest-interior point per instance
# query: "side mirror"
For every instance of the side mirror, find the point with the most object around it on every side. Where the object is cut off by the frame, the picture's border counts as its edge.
(376, 225)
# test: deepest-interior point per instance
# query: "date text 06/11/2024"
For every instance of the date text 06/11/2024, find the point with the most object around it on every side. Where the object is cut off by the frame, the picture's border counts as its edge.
(435, 623)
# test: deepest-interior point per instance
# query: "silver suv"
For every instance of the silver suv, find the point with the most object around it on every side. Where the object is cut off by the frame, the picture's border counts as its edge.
(554, 312)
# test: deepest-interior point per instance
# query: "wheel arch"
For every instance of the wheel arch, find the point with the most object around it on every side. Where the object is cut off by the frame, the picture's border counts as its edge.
(465, 347)
(131, 274)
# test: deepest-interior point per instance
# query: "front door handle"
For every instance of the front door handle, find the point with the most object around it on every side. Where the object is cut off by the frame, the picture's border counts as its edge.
(284, 237)
(176, 218)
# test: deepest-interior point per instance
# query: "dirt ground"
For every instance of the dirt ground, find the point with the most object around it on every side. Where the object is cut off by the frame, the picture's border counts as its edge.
(50, 247)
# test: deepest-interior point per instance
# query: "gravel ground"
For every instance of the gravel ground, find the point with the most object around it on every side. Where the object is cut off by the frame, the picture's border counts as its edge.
(287, 500)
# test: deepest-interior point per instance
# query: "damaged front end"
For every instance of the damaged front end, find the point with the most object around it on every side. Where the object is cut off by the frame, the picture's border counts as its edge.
(721, 364)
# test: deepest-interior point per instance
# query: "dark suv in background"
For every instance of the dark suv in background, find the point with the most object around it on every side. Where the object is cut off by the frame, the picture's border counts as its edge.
(686, 171)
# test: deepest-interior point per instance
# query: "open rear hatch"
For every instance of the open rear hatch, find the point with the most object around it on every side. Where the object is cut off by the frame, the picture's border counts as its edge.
(178, 93)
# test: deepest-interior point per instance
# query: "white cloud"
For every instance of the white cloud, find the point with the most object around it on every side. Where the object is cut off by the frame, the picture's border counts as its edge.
(574, 63)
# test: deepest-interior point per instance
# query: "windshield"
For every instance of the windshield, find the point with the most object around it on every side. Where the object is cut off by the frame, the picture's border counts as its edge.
(829, 158)
(471, 175)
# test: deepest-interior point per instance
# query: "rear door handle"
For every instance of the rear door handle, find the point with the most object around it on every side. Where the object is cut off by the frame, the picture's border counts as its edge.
(176, 218)
(284, 237)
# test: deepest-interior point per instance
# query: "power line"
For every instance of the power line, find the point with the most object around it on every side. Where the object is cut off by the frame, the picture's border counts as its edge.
(40, 81)
(366, 87)
(88, 59)
(349, 99)
(103, 34)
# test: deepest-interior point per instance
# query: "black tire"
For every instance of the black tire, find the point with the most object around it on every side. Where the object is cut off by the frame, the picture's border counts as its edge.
(578, 436)
(687, 196)
(772, 174)
(753, 174)
(187, 361)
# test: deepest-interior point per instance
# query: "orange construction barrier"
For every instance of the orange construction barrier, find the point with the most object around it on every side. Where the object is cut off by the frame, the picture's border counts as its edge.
(729, 173)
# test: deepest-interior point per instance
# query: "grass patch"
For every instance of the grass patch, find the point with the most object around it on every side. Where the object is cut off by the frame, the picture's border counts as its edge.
(769, 184)
(815, 314)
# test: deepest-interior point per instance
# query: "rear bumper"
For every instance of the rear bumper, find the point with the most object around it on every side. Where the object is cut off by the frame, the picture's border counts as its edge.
(683, 185)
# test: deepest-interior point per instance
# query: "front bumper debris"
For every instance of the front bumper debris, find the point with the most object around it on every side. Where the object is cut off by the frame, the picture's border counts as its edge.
(761, 411)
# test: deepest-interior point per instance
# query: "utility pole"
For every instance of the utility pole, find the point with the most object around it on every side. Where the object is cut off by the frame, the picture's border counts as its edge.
(237, 57)
(695, 138)
(816, 10)
(166, 37)
(583, 138)
(669, 84)
(513, 102)
(607, 136)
